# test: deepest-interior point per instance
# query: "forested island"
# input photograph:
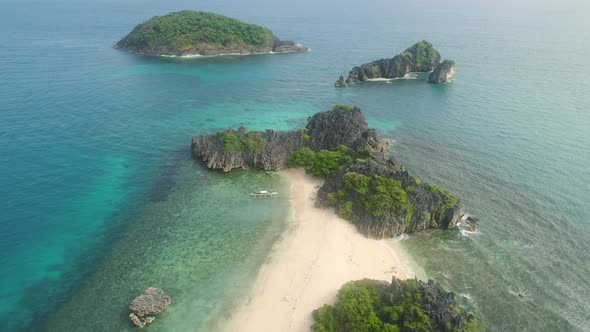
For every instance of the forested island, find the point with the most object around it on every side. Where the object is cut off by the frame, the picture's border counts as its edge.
(400, 306)
(192, 33)
(420, 57)
(372, 191)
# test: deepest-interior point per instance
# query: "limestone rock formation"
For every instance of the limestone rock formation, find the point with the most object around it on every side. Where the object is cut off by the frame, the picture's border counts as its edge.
(287, 46)
(269, 150)
(151, 302)
(427, 206)
(141, 322)
(420, 57)
(444, 72)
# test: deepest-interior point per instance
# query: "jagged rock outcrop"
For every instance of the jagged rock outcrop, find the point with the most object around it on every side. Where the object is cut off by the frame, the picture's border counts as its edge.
(444, 72)
(342, 126)
(438, 304)
(151, 302)
(229, 149)
(269, 150)
(426, 206)
(287, 46)
(420, 57)
(402, 305)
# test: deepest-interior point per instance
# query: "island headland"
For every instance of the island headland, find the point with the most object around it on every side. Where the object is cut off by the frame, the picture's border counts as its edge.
(194, 33)
(420, 57)
(321, 251)
(400, 306)
(444, 72)
(365, 187)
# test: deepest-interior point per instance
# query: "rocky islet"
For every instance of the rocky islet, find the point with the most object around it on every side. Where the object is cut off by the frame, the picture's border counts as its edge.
(421, 57)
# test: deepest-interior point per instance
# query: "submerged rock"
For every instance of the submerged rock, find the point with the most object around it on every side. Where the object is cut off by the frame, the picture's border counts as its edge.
(444, 72)
(287, 46)
(151, 302)
(420, 57)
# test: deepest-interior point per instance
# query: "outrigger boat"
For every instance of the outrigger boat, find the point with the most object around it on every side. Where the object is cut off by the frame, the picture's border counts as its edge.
(263, 193)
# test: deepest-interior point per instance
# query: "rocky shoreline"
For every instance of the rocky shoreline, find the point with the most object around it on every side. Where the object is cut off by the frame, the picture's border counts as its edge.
(280, 46)
(431, 207)
(343, 147)
(444, 72)
(421, 57)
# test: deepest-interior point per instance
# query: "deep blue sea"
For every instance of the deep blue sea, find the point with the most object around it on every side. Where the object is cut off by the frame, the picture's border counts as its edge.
(100, 197)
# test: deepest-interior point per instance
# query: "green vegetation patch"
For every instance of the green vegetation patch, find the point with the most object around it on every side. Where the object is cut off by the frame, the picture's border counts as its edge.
(187, 28)
(321, 163)
(423, 53)
(324, 162)
(304, 135)
(234, 141)
(343, 107)
(362, 306)
(373, 194)
(450, 201)
(449, 62)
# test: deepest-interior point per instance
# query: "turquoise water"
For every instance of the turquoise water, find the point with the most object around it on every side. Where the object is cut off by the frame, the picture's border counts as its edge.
(101, 198)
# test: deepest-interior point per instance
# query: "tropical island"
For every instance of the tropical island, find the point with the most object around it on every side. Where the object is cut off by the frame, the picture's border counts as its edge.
(195, 33)
(421, 57)
(347, 195)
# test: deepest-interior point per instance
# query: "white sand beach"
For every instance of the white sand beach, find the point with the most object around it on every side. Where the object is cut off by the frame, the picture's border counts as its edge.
(316, 256)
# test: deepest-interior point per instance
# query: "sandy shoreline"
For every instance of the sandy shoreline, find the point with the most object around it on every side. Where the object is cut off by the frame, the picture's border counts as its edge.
(318, 254)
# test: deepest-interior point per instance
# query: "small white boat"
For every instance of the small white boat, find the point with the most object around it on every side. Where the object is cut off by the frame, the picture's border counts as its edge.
(263, 193)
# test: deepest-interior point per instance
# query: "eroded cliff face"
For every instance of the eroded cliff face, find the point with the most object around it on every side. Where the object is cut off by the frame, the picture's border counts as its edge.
(430, 206)
(272, 154)
(420, 57)
(269, 150)
(444, 72)
(287, 46)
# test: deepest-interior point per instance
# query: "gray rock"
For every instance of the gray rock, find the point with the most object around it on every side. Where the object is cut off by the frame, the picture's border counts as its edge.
(444, 72)
(420, 57)
(287, 46)
(340, 82)
(151, 302)
(472, 219)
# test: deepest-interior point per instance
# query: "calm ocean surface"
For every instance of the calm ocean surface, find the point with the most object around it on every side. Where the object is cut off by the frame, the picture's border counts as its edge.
(100, 198)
